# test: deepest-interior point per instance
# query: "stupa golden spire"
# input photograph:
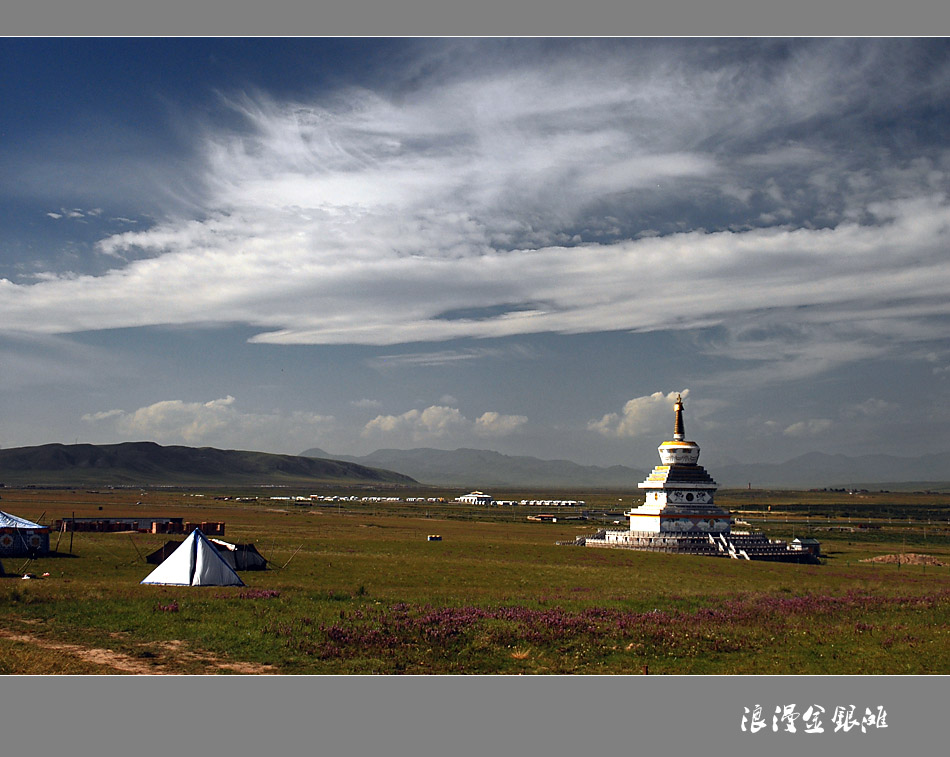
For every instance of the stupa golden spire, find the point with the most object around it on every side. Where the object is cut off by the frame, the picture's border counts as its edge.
(679, 429)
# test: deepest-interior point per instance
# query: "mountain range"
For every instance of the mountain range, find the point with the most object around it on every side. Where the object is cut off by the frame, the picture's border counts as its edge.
(147, 463)
(484, 468)
(817, 470)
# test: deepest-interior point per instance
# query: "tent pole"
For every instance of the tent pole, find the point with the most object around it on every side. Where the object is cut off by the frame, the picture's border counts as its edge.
(62, 529)
(291, 557)
(194, 557)
(136, 548)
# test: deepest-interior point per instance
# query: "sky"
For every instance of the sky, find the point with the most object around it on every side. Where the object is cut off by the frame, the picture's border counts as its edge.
(525, 245)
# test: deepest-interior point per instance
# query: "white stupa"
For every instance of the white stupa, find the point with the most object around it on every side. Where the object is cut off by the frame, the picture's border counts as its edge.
(679, 491)
(679, 514)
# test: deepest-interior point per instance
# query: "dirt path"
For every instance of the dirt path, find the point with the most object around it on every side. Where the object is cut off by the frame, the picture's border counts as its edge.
(150, 662)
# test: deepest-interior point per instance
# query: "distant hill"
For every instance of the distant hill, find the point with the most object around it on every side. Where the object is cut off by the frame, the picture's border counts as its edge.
(147, 463)
(484, 468)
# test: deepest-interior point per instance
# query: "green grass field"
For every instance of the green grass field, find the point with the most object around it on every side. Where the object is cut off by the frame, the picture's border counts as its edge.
(359, 589)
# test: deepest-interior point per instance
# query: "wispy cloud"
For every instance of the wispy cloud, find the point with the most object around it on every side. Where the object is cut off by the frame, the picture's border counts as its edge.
(75, 214)
(103, 415)
(592, 187)
(810, 427)
(451, 357)
(217, 421)
(869, 408)
(367, 403)
(30, 360)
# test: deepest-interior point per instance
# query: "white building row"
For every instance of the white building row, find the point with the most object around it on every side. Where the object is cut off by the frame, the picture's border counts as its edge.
(480, 498)
(474, 498)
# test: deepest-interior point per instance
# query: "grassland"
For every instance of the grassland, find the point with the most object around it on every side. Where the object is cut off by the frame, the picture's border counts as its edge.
(357, 588)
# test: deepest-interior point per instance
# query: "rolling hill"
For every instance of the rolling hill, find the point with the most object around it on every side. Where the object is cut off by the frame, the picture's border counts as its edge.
(150, 464)
(485, 468)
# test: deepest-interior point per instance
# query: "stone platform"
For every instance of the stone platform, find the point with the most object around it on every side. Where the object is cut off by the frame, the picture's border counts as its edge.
(738, 546)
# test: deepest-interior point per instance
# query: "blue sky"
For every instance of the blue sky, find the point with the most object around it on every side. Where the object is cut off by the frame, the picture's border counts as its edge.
(525, 245)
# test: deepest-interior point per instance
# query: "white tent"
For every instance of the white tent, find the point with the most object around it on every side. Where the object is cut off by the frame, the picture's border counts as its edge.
(12, 521)
(195, 563)
(19, 536)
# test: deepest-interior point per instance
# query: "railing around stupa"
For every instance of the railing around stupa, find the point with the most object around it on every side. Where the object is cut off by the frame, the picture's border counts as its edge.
(755, 546)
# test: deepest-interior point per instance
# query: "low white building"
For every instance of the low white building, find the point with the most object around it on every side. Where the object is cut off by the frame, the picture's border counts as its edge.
(475, 498)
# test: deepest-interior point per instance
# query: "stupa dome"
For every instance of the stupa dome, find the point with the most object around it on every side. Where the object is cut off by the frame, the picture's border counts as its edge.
(679, 451)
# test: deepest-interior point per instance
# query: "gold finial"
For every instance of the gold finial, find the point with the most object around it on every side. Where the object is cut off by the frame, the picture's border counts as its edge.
(679, 429)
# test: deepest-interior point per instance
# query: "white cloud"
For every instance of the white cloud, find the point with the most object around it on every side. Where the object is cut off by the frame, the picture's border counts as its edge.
(439, 422)
(192, 422)
(811, 427)
(367, 403)
(103, 415)
(496, 424)
(641, 416)
(433, 421)
(869, 408)
(74, 213)
(215, 422)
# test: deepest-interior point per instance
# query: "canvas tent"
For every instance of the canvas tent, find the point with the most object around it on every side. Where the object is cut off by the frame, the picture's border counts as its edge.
(22, 537)
(162, 553)
(196, 562)
(238, 556)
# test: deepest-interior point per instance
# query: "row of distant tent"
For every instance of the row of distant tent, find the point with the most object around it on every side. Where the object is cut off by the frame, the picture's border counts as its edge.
(200, 561)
